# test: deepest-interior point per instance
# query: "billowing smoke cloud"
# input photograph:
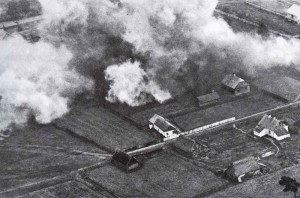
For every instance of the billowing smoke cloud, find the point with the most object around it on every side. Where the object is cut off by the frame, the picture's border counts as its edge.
(36, 81)
(130, 85)
(177, 45)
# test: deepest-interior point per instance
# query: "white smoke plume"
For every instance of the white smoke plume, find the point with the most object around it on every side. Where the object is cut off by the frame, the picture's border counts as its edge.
(36, 81)
(180, 44)
(129, 85)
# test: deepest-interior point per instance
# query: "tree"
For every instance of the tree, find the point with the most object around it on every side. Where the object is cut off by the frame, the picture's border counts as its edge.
(289, 185)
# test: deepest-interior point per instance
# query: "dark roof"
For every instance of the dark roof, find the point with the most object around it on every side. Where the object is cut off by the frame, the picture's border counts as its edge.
(124, 158)
(245, 165)
(184, 143)
(282, 86)
(272, 124)
(161, 123)
(232, 81)
(208, 97)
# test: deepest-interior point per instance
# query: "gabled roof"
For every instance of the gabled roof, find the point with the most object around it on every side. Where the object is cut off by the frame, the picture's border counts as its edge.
(245, 165)
(294, 10)
(161, 123)
(124, 158)
(273, 124)
(208, 97)
(232, 81)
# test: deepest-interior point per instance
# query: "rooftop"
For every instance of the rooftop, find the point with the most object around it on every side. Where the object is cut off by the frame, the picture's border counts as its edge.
(208, 97)
(272, 124)
(232, 81)
(294, 10)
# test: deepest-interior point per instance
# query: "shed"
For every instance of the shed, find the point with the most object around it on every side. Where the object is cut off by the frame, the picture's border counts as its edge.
(125, 161)
(273, 127)
(241, 169)
(235, 84)
(188, 146)
(208, 98)
(293, 13)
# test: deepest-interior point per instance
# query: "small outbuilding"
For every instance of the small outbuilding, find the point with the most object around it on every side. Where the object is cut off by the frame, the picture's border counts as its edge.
(293, 13)
(240, 170)
(164, 127)
(188, 146)
(235, 84)
(208, 98)
(273, 127)
(125, 161)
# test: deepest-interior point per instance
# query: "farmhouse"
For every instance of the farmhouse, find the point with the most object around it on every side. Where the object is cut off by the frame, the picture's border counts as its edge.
(283, 87)
(235, 84)
(293, 13)
(164, 127)
(208, 98)
(240, 170)
(273, 127)
(124, 161)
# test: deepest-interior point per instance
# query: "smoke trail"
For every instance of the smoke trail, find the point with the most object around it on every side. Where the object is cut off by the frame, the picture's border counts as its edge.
(180, 44)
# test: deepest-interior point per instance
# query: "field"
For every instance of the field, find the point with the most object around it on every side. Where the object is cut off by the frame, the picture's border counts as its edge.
(36, 153)
(103, 128)
(239, 108)
(231, 145)
(142, 118)
(256, 15)
(69, 189)
(261, 187)
(165, 176)
(237, 143)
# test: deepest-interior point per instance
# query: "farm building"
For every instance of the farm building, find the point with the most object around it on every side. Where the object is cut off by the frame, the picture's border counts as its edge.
(273, 127)
(190, 147)
(240, 170)
(293, 13)
(283, 87)
(208, 98)
(124, 161)
(235, 84)
(164, 127)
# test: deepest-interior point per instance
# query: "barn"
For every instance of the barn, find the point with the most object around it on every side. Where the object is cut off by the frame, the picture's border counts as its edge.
(283, 87)
(273, 127)
(293, 13)
(124, 161)
(208, 98)
(164, 127)
(235, 84)
(240, 170)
